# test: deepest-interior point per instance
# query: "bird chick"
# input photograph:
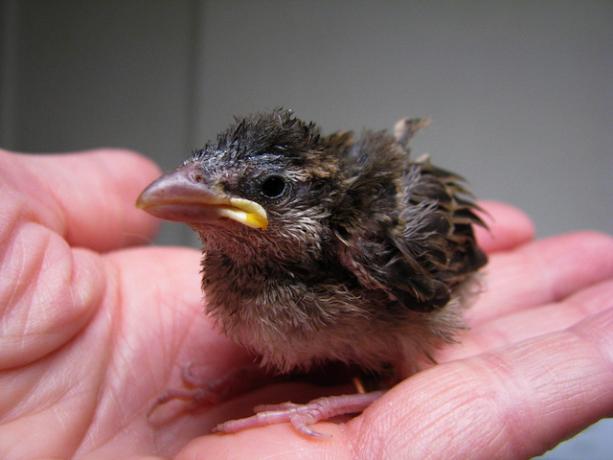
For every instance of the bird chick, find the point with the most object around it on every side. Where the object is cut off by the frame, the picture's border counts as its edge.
(325, 248)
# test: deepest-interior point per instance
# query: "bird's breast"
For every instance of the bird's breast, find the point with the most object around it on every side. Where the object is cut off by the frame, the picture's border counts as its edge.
(293, 319)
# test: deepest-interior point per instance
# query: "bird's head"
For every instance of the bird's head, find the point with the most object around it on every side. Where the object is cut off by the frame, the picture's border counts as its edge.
(269, 180)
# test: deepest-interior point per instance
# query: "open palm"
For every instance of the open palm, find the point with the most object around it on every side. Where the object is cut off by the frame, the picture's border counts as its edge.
(92, 330)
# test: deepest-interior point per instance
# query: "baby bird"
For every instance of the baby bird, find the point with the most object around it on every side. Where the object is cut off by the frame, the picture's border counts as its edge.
(325, 248)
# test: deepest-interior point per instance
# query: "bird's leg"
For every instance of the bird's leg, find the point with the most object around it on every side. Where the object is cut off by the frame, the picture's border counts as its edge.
(359, 385)
(302, 416)
(199, 391)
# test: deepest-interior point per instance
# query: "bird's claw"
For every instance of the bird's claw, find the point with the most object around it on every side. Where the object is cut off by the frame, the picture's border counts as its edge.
(301, 416)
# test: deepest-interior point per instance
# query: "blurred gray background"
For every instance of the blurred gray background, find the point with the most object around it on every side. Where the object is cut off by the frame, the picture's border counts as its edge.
(520, 92)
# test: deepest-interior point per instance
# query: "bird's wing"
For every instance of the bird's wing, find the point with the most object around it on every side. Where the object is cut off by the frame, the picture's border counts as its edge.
(427, 250)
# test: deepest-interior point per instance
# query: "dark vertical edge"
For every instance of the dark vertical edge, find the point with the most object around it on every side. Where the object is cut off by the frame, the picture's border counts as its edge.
(194, 73)
(193, 81)
(9, 18)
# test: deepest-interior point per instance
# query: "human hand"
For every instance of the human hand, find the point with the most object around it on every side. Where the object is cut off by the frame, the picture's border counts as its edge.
(93, 331)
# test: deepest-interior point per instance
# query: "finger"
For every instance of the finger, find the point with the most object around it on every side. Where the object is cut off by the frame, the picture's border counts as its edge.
(515, 403)
(508, 227)
(526, 324)
(542, 272)
(88, 198)
(48, 293)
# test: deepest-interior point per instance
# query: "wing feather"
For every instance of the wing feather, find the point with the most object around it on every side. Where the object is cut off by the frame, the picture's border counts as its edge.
(406, 227)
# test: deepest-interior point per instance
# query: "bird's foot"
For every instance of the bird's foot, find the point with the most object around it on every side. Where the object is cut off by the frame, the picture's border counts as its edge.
(199, 391)
(302, 416)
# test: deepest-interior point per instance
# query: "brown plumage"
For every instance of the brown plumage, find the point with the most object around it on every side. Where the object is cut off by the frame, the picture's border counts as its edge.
(326, 248)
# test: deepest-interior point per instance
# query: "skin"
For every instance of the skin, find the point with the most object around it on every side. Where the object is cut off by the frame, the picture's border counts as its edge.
(94, 329)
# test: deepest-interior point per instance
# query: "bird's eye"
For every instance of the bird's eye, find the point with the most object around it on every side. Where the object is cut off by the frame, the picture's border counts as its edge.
(273, 186)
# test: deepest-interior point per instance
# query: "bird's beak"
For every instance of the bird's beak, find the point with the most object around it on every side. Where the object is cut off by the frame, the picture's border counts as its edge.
(184, 196)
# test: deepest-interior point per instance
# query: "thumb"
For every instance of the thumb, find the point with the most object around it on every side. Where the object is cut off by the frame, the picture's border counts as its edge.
(88, 198)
